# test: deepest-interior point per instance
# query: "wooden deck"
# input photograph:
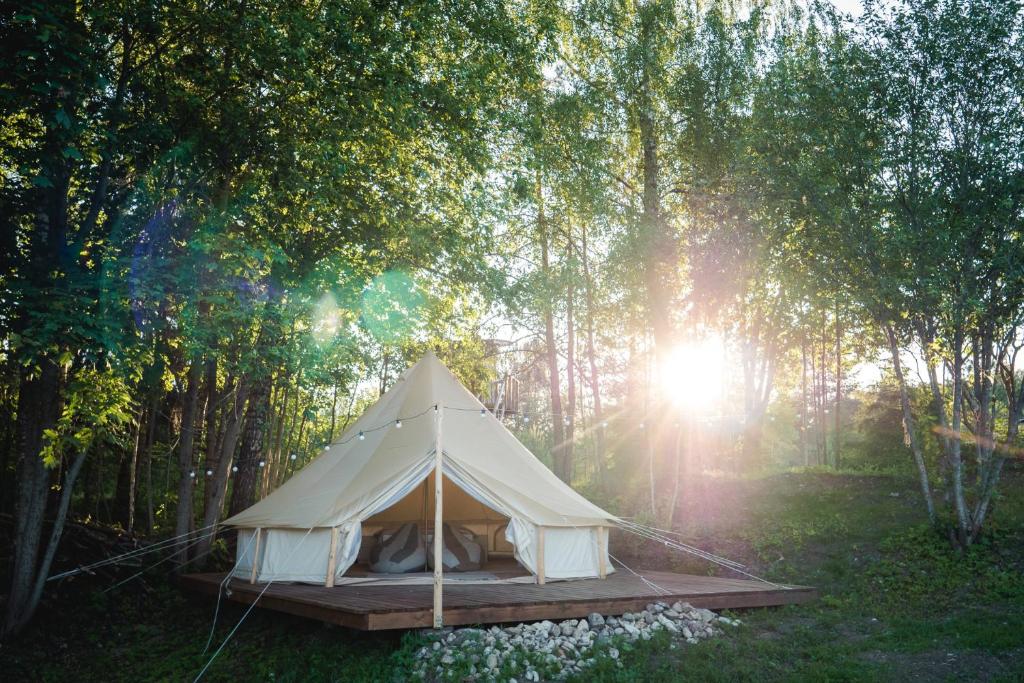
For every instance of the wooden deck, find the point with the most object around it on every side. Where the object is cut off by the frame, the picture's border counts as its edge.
(380, 607)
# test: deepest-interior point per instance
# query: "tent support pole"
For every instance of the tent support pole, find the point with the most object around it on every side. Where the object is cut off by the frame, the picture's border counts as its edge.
(438, 520)
(602, 550)
(332, 559)
(540, 555)
(256, 555)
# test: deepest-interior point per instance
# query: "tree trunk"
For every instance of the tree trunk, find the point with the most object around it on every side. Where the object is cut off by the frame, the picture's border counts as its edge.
(211, 433)
(557, 416)
(186, 480)
(595, 379)
(219, 481)
(570, 381)
(67, 489)
(247, 479)
(956, 460)
(39, 406)
(908, 423)
(837, 429)
(803, 402)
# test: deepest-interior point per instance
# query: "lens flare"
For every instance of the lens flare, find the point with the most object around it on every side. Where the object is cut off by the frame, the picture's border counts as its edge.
(695, 374)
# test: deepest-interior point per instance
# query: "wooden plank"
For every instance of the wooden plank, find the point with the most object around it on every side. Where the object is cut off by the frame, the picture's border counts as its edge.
(381, 607)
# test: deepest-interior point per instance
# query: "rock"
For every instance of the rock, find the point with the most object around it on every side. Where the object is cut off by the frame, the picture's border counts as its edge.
(555, 631)
(647, 616)
(706, 615)
(437, 645)
(687, 633)
(667, 623)
(582, 627)
(595, 619)
(447, 660)
(613, 653)
(492, 661)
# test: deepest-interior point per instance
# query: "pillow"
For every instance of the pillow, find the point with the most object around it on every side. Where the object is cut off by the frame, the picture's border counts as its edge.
(402, 552)
(460, 553)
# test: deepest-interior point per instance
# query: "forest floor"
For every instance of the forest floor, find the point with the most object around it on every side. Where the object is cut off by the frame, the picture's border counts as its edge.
(896, 604)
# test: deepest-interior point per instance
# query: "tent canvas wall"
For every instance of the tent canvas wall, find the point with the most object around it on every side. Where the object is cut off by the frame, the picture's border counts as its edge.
(375, 473)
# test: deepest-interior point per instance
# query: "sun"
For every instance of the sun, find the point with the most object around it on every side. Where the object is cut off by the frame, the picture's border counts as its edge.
(694, 374)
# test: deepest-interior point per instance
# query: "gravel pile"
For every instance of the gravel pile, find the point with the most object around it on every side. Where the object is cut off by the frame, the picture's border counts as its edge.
(547, 650)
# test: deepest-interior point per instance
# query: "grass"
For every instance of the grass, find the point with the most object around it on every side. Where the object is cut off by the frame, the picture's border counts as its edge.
(897, 604)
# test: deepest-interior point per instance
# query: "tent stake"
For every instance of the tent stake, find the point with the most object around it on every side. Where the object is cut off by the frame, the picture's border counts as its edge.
(438, 523)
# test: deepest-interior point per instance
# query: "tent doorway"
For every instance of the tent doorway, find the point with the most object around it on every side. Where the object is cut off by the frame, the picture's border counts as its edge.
(461, 511)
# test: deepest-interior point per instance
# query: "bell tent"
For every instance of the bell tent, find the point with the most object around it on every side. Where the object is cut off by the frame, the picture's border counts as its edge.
(380, 477)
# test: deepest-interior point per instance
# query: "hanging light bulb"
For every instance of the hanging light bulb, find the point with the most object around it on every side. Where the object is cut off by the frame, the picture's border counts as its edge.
(234, 468)
(293, 456)
(209, 473)
(362, 437)
(192, 475)
(263, 463)
(483, 411)
(398, 424)
(526, 419)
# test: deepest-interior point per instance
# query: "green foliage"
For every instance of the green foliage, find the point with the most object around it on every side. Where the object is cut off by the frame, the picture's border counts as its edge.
(98, 408)
(919, 570)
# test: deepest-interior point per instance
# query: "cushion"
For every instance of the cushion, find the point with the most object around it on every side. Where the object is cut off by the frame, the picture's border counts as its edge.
(402, 552)
(460, 553)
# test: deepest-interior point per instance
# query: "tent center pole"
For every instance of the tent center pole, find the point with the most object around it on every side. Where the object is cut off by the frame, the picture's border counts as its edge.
(438, 523)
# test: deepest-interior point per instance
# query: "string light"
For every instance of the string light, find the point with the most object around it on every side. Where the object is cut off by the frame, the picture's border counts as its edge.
(192, 475)
(209, 473)
(362, 437)
(398, 424)
(293, 456)
(483, 411)
(234, 468)
(263, 463)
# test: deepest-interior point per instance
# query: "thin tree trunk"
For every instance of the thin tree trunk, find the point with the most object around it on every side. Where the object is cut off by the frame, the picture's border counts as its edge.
(67, 489)
(549, 339)
(908, 423)
(38, 409)
(186, 482)
(595, 379)
(803, 402)
(233, 419)
(253, 448)
(956, 463)
(837, 433)
(568, 453)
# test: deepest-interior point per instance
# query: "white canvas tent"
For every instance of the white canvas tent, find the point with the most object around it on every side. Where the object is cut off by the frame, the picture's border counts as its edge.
(310, 529)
